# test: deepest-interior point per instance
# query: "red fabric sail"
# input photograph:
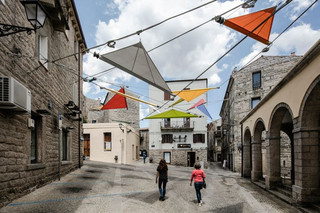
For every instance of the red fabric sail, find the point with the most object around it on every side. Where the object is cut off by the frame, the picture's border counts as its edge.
(116, 102)
(245, 24)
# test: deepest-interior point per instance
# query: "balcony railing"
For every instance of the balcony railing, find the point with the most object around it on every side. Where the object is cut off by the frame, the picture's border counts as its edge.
(177, 126)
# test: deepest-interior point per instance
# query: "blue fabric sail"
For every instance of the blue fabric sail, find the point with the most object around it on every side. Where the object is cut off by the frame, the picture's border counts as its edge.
(204, 110)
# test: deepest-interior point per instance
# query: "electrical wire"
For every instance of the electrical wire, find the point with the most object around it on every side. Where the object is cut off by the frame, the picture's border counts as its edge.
(234, 46)
(266, 48)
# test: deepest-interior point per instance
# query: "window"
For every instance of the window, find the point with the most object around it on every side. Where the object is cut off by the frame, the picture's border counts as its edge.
(43, 50)
(65, 145)
(167, 96)
(218, 127)
(35, 145)
(198, 138)
(167, 122)
(94, 121)
(186, 122)
(107, 141)
(167, 138)
(254, 102)
(75, 48)
(256, 80)
(218, 142)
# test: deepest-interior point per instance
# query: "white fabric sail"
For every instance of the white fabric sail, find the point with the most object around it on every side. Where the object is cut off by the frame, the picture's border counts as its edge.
(136, 61)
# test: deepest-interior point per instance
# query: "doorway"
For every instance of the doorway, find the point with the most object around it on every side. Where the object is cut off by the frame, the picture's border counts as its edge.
(86, 145)
(191, 159)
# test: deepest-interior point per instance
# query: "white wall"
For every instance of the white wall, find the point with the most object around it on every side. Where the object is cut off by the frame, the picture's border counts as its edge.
(122, 142)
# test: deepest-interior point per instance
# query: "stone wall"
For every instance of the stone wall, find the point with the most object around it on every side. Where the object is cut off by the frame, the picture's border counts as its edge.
(179, 157)
(51, 88)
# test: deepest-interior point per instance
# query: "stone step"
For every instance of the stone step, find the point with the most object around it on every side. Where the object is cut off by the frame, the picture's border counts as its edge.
(285, 192)
(282, 197)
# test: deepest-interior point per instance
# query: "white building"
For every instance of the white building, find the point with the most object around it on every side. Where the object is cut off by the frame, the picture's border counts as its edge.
(112, 142)
(180, 141)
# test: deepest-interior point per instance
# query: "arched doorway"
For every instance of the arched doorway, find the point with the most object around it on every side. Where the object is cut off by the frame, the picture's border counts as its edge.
(307, 140)
(257, 154)
(246, 149)
(280, 149)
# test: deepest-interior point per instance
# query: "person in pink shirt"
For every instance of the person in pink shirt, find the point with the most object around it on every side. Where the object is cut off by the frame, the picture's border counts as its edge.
(199, 177)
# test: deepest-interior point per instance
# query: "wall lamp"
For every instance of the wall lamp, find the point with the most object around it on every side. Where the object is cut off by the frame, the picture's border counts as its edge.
(35, 14)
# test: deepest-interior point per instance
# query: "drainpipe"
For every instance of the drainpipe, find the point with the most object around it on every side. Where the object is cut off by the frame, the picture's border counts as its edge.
(242, 148)
(79, 105)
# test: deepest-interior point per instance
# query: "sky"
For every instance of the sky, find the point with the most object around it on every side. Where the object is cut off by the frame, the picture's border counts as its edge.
(191, 54)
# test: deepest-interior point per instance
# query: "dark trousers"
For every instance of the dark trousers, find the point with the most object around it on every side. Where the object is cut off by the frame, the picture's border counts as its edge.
(198, 187)
(162, 190)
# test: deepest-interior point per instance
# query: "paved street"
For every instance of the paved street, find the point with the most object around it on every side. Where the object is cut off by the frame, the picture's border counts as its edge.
(101, 187)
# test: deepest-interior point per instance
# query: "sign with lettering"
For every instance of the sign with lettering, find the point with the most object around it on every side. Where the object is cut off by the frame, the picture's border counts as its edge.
(184, 145)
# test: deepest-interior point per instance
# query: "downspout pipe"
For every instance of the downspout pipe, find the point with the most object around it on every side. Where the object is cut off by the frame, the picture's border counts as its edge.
(79, 104)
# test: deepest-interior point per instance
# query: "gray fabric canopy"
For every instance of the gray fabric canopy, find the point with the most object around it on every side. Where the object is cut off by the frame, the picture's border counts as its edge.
(135, 60)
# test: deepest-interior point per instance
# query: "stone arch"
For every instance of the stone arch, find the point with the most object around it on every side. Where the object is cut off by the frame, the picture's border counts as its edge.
(307, 140)
(246, 150)
(280, 149)
(257, 160)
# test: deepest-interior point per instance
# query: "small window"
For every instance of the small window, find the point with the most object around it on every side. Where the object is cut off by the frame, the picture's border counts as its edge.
(167, 96)
(198, 138)
(167, 138)
(254, 102)
(94, 121)
(65, 145)
(218, 142)
(43, 50)
(35, 139)
(256, 80)
(75, 48)
(75, 93)
(107, 141)
(218, 127)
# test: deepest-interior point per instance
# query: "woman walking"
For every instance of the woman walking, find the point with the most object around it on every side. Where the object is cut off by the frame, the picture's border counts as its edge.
(162, 174)
(199, 177)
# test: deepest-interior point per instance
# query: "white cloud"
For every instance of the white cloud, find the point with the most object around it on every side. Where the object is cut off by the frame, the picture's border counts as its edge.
(297, 39)
(294, 7)
(183, 58)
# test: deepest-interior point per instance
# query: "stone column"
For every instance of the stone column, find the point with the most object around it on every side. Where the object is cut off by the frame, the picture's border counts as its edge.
(246, 160)
(256, 172)
(273, 177)
(307, 170)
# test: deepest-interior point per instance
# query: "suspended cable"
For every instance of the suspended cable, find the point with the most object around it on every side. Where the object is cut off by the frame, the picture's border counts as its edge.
(234, 46)
(267, 48)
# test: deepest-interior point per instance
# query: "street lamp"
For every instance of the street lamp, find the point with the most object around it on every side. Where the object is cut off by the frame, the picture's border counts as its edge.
(35, 15)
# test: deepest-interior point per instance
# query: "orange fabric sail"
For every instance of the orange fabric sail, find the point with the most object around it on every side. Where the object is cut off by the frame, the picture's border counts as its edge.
(246, 23)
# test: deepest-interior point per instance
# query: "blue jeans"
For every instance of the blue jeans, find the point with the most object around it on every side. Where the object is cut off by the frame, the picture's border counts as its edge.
(162, 189)
(198, 187)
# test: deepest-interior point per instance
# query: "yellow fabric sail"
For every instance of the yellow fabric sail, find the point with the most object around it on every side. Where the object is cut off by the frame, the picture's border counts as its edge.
(189, 95)
(177, 102)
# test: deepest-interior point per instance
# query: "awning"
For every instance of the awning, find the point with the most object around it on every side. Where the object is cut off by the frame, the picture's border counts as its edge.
(116, 102)
(172, 114)
(204, 110)
(136, 61)
(198, 104)
(246, 23)
(191, 94)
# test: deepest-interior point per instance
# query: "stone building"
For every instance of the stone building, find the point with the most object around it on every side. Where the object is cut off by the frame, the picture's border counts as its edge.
(214, 141)
(245, 89)
(180, 141)
(292, 107)
(40, 98)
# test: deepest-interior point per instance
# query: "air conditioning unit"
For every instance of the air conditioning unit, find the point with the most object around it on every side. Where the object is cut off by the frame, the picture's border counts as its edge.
(13, 95)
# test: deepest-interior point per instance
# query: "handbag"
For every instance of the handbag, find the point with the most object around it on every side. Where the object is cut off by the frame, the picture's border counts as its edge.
(204, 183)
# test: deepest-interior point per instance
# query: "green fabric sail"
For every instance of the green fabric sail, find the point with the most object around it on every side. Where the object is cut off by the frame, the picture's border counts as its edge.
(172, 114)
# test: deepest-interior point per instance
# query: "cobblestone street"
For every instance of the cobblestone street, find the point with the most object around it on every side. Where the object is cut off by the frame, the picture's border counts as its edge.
(101, 187)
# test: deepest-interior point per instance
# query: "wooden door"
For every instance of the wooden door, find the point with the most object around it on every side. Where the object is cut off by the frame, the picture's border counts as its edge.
(86, 145)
